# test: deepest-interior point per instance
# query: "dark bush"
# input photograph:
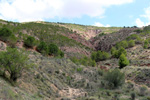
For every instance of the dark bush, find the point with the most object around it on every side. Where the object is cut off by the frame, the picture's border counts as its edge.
(5, 33)
(42, 48)
(53, 49)
(138, 31)
(29, 42)
(61, 53)
(133, 96)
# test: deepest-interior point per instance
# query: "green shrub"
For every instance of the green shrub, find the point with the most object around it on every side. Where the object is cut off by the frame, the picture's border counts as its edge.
(122, 51)
(13, 62)
(146, 29)
(84, 61)
(92, 63)
(93, 55)
(5, 33)
(29, 42)
(123, 61)
(61, 53)
(138, 30)
(132, 37)
(42, 48)
(12, 41)
(117, 53)
(146, 44)
(131, 43)
(53, 49)
(113, 50)
(79, 69)
(99, 56)
(114, 78)
(123, 44)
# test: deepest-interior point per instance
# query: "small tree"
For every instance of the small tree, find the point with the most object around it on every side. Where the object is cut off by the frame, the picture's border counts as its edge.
(123, 61)
(29, 42)
(13, 62)
(42, 48)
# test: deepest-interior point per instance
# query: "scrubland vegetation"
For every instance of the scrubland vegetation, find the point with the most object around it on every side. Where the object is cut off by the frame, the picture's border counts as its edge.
(41, 68)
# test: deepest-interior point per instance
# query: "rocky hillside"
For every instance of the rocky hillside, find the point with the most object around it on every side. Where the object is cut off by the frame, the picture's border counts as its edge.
(89, 32)
(51, 77)
(106, 42)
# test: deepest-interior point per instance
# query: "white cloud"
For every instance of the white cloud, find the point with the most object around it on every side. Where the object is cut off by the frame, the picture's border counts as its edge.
(31, 10)
(146, 15)
(101, 25)
(139, 23)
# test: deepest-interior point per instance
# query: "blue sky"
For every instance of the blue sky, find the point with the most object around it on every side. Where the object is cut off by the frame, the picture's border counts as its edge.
(87, 12)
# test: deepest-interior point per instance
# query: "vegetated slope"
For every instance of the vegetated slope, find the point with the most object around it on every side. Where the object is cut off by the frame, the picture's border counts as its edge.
(66, 39)
(60, 79)
(89, 32)
(106, 42)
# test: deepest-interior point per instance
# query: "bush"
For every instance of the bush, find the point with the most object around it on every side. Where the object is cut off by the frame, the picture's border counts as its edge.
(117, 53)
(133, 96)
(131, 43)
(84, 61)
(42, 48)
(93, 55)
(29, 42)
(146, 29)
(146, 44)
(114, 52)
(138, 30)
(53, 49)
(12, 41)
(132, 37)
(13, 62)
(123, 61)
(123, 44)
(61, 53)
(114, 78)
(122, 51)
(143, 90)
(99, 56)
(5, 33)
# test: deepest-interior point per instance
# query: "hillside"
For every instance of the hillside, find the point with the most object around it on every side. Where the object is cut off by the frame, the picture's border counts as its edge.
(83, 72)
(89, 32)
